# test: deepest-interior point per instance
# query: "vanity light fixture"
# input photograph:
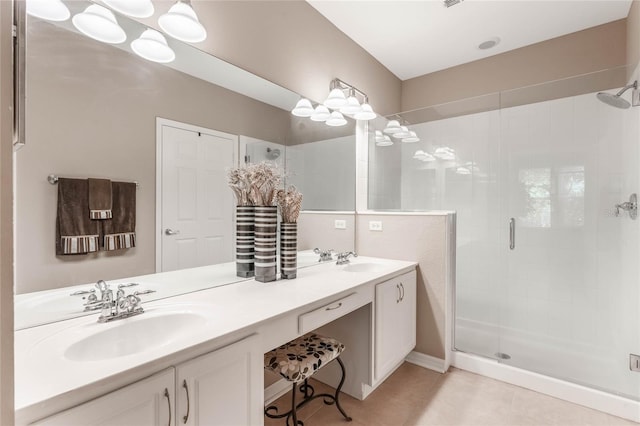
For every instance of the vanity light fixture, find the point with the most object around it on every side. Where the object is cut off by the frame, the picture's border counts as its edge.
(423, 156)
(181, 22)
(336, 119)
(100, 24)
(321, 113)
(385, 141)
(445, 153)
(134, 8)
(352, 106)
(152, 46)
(336, 99)
(463, 171)
(303, 108)
(51, 10)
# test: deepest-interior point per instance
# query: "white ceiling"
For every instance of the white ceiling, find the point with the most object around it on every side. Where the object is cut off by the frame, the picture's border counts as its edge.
(413, 38)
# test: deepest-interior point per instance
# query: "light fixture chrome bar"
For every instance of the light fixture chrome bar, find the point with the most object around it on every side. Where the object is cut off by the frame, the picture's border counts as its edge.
(336, 83)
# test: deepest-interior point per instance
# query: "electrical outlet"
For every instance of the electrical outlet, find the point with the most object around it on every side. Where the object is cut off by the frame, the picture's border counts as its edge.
(340, 224)
(634, 362)
(375, 225)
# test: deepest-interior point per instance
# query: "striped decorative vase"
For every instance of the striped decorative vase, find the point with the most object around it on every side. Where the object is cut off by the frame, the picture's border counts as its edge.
(288, 250)
(245, 223)
(266, 224)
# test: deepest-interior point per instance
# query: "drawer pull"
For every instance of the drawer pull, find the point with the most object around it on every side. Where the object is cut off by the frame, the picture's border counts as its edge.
(329, 308)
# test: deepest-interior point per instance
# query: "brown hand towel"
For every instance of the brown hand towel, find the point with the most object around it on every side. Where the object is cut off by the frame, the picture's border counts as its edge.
(75, 232)
(120, 231)
(99, 198)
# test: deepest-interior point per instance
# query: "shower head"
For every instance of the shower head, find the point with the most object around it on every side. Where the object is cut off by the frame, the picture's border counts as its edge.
(617, 100)
(272, 154)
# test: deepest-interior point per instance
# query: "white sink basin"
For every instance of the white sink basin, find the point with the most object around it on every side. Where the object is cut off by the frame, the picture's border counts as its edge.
(133, 336)
(362, 267)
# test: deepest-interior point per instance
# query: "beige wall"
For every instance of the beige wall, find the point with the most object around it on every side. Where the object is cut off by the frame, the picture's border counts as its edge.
(291, 44)
(6, 218)
(317, 229)
(92, 111)
(594, 49)
(633, 36)
(422, 238)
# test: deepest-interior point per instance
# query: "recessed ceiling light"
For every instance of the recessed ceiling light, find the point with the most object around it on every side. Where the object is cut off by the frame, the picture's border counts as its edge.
(488, 44)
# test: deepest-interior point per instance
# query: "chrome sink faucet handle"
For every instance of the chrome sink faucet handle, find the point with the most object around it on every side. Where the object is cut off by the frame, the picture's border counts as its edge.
(325, 255)
(343, 258)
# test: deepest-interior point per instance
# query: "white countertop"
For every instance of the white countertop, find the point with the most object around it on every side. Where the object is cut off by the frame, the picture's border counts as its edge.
(43, 375)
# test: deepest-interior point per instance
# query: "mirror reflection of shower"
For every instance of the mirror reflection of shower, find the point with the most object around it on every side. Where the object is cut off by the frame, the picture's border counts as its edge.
(273, 153)
(617, 100)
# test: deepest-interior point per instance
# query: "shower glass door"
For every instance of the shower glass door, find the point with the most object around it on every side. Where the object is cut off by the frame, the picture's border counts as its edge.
(570, 308)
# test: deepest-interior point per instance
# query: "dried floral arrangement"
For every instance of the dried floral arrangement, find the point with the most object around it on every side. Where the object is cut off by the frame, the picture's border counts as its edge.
(290, 202)
(256, 184)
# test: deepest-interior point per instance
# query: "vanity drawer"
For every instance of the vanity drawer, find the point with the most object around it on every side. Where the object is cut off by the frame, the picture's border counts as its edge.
(327, 313)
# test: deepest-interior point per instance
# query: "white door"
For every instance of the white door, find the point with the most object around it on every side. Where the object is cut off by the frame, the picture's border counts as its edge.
(149, 402)
(196, 205)
(224, 387)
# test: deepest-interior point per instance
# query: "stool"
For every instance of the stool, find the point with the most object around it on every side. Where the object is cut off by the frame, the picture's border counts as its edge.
(298, 360)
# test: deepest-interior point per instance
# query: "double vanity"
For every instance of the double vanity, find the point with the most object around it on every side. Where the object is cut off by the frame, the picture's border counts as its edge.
(197, 358)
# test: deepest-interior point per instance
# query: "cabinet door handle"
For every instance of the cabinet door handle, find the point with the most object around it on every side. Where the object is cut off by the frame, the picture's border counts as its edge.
(166, 395)
(329, 308)
(186, 389)
(398, 296)
(512, 233)
(402, 292)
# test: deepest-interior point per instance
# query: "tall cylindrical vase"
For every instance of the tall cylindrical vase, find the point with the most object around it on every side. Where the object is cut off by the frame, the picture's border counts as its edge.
(266, 224)
(288, 250)
(245, 235)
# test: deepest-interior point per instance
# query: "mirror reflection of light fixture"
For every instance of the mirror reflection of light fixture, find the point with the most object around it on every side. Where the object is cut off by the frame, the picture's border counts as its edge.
(413, 137)
(321, 113)
(366, 113)
(303, 108)
(393, 127)
(385, 141)
(152, 45)
(336, 119)
(181, 22)
(336, 99)
(51, 10)
(463, 171)
(423, 156)
(445, 153)
(134, 8)
(100, 24)
(403, 133)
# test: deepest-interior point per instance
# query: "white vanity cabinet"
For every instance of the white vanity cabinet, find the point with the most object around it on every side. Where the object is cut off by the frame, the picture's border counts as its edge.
(147, 402)
(225, 387)
(395, 322)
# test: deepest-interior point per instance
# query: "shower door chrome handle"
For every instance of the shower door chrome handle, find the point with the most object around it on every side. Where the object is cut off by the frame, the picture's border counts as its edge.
(512, 234)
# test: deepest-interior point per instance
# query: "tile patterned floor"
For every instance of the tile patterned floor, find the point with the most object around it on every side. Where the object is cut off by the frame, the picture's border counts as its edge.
(414, 396)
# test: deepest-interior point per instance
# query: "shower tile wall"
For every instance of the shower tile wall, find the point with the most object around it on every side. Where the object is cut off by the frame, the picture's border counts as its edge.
(565, 301)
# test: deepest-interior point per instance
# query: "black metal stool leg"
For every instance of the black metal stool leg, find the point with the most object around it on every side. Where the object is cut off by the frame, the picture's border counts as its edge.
(293, 405)
(338, 390)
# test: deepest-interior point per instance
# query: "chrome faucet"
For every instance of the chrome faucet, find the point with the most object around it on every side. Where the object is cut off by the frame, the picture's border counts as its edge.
(343, 258)
(118, 307)
(325, 255)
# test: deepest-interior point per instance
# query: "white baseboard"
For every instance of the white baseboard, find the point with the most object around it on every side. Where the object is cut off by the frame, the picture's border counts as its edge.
(426, 361)
(276, 390)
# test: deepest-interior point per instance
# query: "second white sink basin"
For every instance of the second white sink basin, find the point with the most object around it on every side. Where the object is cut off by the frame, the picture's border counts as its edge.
(134, 335)
(362, 267)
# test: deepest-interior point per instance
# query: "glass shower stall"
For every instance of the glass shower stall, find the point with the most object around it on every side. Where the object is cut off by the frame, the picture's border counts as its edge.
(547, 275)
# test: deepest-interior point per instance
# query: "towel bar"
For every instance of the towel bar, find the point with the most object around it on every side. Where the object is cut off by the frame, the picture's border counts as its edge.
(53, 179)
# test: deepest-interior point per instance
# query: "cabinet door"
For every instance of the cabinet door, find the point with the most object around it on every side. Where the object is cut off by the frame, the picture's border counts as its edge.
(395, 322)
(224, 387)
(148, 402)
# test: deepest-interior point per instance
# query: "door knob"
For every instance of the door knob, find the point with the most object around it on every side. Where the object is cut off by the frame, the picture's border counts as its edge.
(170, 231)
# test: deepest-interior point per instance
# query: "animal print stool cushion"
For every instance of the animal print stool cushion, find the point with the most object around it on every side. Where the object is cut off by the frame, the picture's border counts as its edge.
(302, 357)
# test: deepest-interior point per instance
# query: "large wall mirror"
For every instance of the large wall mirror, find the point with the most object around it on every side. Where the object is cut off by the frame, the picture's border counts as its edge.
(99, 110)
